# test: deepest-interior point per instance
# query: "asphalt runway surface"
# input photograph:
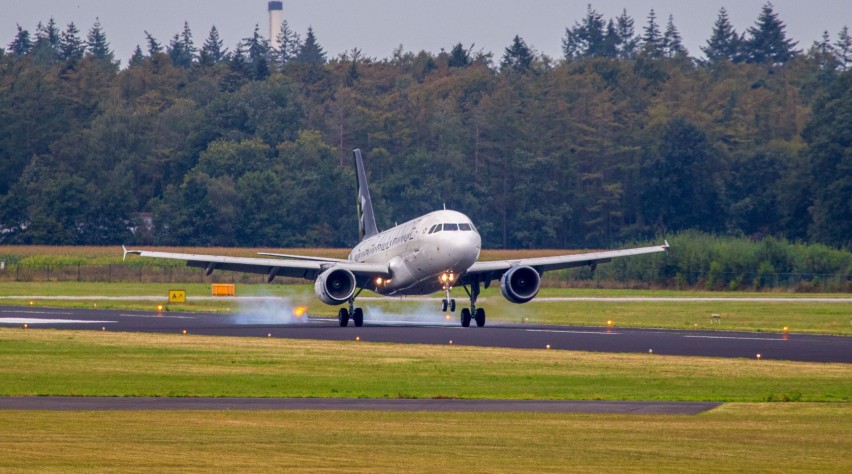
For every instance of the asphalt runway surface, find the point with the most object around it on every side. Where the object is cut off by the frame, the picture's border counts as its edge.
(353, 404)
(398, 329)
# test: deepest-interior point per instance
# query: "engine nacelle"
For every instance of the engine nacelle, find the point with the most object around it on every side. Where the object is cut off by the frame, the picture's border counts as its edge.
(335, 286)
(520, 284)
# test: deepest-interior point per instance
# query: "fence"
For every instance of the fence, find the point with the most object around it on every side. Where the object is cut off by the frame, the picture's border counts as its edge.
(120, 273)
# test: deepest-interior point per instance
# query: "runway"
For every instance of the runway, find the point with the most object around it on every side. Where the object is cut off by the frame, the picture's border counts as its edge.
(793, 347)
(354, 404)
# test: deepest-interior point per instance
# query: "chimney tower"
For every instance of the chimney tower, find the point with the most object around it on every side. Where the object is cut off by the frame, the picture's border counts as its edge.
(276, 17)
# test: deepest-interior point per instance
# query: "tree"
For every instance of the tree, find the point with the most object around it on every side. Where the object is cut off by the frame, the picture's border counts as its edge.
(71, 46)
(724, 42)
(672, 41)
(22, 44)
(211, 51)
(518, 57)
(311, 52)
(628, 42)
(181, 48)
(154, 46)
(459, 57)
(830, 153)
(652, 40)
(589, 39)
(287, 45)
(97, 44)
(767, 42)
(257, 49)
(843, 48)
(48, 39)
(137, 57)
(684, 190)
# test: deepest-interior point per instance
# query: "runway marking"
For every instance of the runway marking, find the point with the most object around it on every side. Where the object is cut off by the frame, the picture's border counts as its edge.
(36, 312)
(738, 338)
(155, 316)
(571, 331)
(50, 321)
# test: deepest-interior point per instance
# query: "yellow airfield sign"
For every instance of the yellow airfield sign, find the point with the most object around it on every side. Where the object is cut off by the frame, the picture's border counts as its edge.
(177, 296)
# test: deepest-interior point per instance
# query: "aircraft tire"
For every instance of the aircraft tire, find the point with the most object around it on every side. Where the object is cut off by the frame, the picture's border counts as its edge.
(452, 306)
(358, 317)
(465, 317)
(444, 306)
(480, 317)
(343, 317)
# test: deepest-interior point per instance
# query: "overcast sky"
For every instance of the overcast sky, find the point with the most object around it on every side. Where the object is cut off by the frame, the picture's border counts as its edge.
(378, 26)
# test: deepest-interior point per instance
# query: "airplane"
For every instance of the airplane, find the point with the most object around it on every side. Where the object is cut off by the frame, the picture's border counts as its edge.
(434, 252)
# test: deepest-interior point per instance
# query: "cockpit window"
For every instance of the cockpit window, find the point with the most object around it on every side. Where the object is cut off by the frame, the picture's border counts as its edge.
(451, 227)
(432, 230)
(437, 228)
(464, 227)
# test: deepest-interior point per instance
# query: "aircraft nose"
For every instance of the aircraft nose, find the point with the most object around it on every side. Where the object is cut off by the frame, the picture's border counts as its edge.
(464, 246)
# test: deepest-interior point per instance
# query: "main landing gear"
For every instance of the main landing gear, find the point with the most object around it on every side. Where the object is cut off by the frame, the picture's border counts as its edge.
(356, 314)
(477, 314)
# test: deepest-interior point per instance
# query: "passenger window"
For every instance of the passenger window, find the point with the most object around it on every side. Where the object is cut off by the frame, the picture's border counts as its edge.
(464, 227)
(451, 227)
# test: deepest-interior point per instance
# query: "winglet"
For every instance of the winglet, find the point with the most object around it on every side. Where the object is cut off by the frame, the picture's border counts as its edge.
(666, 245)
(125, 253)
(366, 218)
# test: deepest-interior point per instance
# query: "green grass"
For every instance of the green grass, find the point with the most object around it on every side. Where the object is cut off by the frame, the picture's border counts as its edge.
(49, 362)
(738, 437)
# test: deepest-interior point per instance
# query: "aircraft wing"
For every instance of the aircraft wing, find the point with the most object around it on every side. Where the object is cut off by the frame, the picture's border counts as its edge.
(271, 267)
(487, 271)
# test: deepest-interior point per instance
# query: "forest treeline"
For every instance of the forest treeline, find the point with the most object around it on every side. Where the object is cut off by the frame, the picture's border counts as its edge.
(626, 137)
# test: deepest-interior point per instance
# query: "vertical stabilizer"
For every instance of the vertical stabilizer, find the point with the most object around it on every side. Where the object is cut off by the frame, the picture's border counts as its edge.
(366, 219)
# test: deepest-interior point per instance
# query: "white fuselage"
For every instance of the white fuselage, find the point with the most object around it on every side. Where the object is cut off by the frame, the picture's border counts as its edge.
(417, 257)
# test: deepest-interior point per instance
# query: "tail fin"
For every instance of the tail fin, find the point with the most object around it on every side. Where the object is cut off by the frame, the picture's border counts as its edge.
(366, 218)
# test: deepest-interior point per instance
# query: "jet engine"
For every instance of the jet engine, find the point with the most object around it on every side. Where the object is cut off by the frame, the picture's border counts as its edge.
(335, 286)
(520, 284)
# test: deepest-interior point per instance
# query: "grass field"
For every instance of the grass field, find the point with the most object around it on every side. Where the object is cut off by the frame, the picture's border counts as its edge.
(48, 362)
(785, 437)
(738, 437)
(806, 317)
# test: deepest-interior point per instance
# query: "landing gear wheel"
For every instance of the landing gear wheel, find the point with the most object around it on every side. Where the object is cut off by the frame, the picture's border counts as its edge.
(480, 317)
(452, 306)
(465, 317)
(358, 317)
(343, 317)
(444, 306)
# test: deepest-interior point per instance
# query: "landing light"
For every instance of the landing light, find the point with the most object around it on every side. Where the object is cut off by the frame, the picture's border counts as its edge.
(379, 281)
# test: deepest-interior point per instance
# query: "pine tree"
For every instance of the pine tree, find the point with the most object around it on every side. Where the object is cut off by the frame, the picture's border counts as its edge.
(628, 43)
(154, 46)
(71, 47)
(589, 39)
(188, 47)
(724, 42)
(518, 56)
(459, 57)
(843, 48)
(96, 42)
(287, 45)
(49, 35)
(311, 52)
(22, 44)
(211, 51)
(767, 43)
(652, 40)
(672, 41)
(137, 57)
(257, 49)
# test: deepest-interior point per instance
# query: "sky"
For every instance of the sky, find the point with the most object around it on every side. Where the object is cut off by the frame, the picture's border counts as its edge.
(377, 27)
